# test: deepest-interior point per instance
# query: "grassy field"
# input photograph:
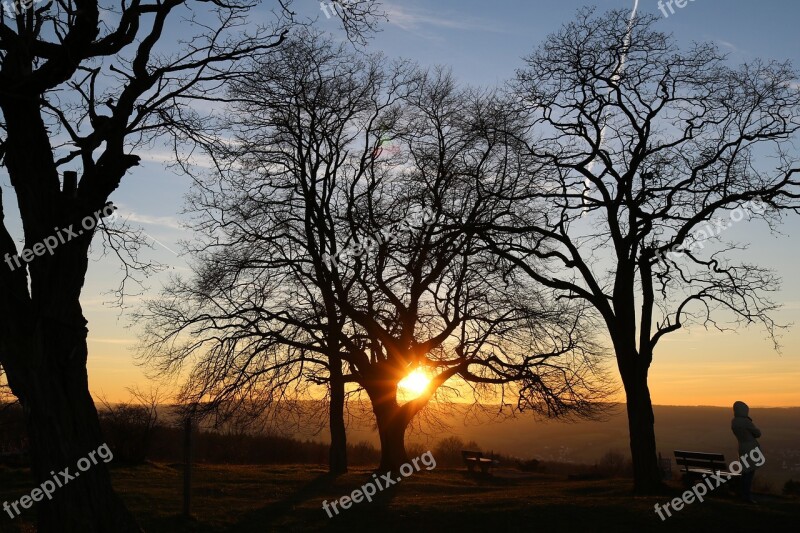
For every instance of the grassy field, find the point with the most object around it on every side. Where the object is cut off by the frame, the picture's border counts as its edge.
(289, 498)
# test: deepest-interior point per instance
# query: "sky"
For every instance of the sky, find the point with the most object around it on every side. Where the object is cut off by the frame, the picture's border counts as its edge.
(483, 42)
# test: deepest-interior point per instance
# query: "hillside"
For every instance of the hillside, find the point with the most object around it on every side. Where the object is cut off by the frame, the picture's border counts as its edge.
(677, 427)
(289, 498)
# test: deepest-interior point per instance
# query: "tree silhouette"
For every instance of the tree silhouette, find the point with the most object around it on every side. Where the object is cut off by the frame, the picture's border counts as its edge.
(431, 296)
(77, 92)
(304, 181)
(260, 303)
(627, 173)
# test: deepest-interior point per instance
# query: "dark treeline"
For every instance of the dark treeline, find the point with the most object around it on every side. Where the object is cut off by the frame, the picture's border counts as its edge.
(136, 440)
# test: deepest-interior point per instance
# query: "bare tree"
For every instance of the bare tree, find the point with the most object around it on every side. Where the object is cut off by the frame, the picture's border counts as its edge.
(304, 184)
(628, 172)
(423, 293)
(260, 307)
(77, 92)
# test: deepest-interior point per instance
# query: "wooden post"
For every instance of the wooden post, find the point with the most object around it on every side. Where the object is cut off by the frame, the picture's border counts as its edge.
(70, 187)
(187, 467)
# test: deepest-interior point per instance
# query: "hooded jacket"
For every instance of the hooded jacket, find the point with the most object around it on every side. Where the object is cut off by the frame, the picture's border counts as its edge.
(746, 432)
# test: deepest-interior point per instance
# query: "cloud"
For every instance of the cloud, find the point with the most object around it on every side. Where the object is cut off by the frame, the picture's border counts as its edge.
(414, 19)
(730, 46)
(168, 158)
(109, 341)
(149, 220)
(167, 222)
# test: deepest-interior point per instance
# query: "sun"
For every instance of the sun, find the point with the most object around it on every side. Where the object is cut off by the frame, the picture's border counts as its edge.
(415, 383)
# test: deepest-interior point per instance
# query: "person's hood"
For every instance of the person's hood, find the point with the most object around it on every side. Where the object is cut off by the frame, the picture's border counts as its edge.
(740, 409)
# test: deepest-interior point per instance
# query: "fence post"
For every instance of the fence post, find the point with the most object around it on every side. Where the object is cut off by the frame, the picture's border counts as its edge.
(70, 187)
(187, 467)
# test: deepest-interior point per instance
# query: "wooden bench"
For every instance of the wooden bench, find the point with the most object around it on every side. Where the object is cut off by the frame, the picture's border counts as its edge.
(697, 464)
(476, 458)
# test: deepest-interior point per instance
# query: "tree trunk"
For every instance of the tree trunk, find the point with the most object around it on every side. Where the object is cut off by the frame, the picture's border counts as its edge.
(43, 334)
(338, 450)
(63, 429)
(641, 425)
(633, 365)
(392, 422)
(43, 350)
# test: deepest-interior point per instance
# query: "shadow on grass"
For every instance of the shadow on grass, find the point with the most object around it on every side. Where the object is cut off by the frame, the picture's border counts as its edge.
(269, 515)
(303, 510)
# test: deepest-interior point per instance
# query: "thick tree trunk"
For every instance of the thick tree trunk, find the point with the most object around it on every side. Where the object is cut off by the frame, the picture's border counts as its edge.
(641, 425)
(392, 431)
(63, 428)
(338, 450)
(43, 333)
(392, 422)
(63, 431)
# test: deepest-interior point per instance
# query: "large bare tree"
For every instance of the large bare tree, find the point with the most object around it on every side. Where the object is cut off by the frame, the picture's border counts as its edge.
(260, 307)
(431, 297)
(83, 86)
(325, 249)
(640, 156)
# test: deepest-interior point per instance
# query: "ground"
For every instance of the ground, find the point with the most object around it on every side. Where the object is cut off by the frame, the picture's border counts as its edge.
(289, 498)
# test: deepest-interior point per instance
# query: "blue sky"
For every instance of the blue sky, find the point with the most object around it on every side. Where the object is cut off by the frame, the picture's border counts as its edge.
(484, 42)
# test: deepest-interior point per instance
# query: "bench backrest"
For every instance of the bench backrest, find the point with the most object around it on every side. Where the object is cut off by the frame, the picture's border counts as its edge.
(471, 455)
(710, 461)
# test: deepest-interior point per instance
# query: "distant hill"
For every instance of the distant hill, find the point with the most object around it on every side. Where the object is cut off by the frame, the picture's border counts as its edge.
(698, 428)
(677, 427)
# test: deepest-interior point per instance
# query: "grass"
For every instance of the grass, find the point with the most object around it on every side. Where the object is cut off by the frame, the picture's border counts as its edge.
(289, 498)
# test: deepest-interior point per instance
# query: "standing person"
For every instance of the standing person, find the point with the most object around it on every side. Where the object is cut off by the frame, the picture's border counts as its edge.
(746, 433)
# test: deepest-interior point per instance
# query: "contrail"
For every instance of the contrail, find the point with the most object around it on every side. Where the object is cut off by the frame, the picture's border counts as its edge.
(615, 77)
(113, 218)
